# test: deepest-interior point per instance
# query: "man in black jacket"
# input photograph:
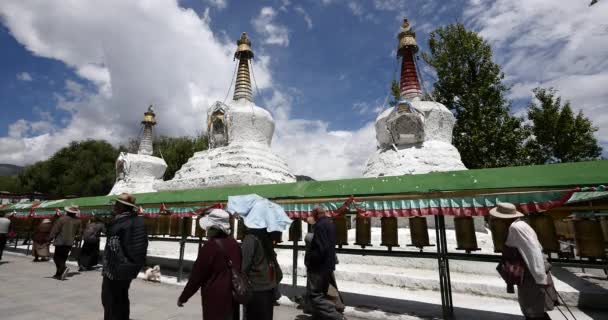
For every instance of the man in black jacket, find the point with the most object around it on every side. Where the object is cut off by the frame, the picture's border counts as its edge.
(320, 261)
(124, 256)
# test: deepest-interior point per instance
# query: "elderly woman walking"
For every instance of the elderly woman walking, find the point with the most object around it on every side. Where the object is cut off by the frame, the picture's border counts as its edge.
(63, 233)
(211, 272)
(522, 251)
(40, 241)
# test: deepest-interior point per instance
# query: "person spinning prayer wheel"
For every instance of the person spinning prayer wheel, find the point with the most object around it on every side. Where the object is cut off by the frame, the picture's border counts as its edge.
(524, 265)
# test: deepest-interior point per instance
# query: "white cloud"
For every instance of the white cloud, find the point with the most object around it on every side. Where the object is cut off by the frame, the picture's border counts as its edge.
(24, 76)
(137, 52)
(220, 4)
(273, 32)
(551, 44)
(355, 8)
(305, 15)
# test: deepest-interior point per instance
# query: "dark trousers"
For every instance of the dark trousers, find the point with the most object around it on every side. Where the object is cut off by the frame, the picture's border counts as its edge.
(3, 237)
(261, 306)
(60, 257)
(322, 307)
(115, 299)
(89, 255)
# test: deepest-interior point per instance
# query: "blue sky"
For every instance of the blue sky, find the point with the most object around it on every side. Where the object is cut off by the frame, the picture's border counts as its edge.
(83, 70)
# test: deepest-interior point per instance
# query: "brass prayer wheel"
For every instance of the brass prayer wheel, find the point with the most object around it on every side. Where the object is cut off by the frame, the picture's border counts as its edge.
(363, 235)
(341, 230)
(466, 239)
(150, 224)
(198, 231)
(419, 232)
(544, 227)
(500, 229)
(174, 223)
(389, 232)
(604, 224)
(589, 239)
(295, 230)
(240, 229)
(163, 225)
(186, 228)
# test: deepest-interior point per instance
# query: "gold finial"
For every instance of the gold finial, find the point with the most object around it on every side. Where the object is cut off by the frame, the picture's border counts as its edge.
(149, 116)
(243, 49)
(407, 38)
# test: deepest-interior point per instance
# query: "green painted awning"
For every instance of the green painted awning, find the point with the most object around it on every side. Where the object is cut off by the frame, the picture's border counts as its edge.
(460, 186)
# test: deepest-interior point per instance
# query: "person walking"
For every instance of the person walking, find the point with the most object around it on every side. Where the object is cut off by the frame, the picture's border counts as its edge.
(261, 267)
(320, 261)
(211, 272)
(89, 254)
(63, 233)
(124, 256)
(40, 240)
(5, 224)
(522, 250)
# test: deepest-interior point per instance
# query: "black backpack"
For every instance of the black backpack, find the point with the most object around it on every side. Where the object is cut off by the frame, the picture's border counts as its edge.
(241, 286)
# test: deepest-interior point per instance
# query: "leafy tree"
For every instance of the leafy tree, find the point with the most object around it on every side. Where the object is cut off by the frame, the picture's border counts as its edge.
(10, 184)
(177, 150)
(559, 136)
(84, 168)
(470, 84)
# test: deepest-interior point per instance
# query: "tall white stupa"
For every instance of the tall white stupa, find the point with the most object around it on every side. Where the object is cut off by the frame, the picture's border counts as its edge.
(415, 136)
(240, 134)
(137, 173)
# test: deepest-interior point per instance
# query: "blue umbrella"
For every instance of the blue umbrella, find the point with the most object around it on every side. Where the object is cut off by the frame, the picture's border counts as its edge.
(259, 213)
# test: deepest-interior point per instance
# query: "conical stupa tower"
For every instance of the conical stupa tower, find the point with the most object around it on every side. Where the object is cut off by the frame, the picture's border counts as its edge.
(240, 134)
(415, 136)
(137, 173)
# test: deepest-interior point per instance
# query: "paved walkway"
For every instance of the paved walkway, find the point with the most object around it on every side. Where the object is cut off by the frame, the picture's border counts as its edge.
(27, 291)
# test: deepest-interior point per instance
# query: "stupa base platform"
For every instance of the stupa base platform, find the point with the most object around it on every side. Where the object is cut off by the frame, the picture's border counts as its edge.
(430, 156)
(232, 165)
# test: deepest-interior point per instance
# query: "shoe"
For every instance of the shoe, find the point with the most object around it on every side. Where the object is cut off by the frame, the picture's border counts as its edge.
(65, 273)
(35, 260)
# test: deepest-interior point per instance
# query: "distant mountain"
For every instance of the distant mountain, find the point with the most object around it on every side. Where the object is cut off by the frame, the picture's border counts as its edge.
(304, 178)
(9, 169)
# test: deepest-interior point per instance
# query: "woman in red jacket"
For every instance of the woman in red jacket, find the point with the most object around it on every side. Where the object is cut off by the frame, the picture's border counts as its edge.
(211, 272)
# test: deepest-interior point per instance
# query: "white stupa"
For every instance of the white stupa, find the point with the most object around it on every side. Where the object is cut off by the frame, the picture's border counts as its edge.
(415, 136)
(239, 135)
(137, 173)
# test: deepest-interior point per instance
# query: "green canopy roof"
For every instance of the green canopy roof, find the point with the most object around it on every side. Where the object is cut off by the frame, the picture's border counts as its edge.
(543, 177)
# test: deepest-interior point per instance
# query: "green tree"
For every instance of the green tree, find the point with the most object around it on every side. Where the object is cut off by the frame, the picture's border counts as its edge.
(10, 184)
(470, 84)
(558, 135)
(177, 150)
(84, 168)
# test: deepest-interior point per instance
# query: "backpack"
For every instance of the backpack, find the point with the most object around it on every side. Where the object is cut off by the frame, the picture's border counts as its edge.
(241, 286)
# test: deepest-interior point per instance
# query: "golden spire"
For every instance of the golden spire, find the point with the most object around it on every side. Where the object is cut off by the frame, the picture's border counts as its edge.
(242, 87)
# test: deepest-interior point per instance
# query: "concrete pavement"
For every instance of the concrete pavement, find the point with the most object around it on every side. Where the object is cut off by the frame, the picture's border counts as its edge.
(27, 291)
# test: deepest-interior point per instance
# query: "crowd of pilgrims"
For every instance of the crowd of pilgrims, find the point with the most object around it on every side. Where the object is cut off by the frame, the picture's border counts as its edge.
(230, 275)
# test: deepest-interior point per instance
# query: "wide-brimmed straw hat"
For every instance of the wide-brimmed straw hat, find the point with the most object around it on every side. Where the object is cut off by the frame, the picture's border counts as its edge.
(216, 218)
(505, 210)
(72, 209)
(126, 199)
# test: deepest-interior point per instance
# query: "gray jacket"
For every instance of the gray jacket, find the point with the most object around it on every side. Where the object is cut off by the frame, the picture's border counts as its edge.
(65, 230)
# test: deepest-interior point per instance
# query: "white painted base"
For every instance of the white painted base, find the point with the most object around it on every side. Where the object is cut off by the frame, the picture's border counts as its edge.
(236, 164)
(140, 174)
(430, 156)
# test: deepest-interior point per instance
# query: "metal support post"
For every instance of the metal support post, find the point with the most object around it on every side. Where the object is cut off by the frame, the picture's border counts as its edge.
(294, 273)
(447, 267)
(182, 247)
(444, 268)
(440, 266)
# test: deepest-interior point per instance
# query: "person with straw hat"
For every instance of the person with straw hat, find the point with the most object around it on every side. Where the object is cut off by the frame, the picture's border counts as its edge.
(124, 256)
(522, 251)
(212, 272)
(63, 233)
